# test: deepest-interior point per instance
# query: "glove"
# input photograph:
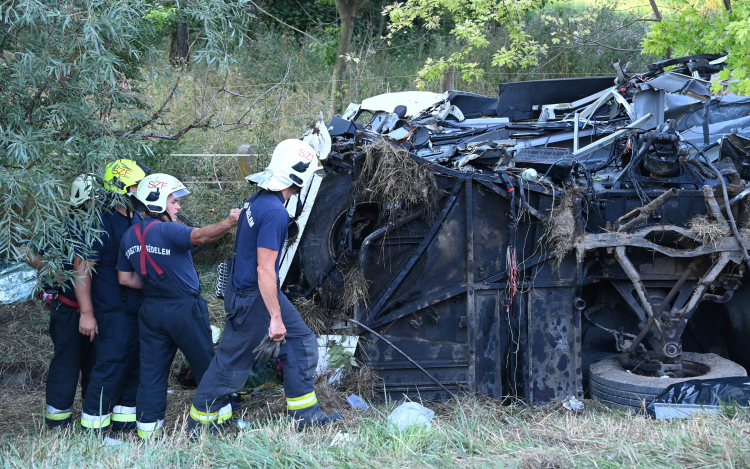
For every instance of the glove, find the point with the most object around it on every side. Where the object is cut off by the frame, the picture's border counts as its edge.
(267, 349)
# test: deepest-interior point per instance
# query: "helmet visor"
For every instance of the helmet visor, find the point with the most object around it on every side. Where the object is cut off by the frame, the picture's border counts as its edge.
(181, 193)
(270, 180)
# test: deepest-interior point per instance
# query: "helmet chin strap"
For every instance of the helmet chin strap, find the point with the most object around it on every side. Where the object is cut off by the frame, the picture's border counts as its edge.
(298, 209)
(157, 216)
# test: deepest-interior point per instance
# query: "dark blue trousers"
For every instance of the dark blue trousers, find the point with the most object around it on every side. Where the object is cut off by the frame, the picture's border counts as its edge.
(168, 319)
(111, 394)
(246, 325)
(73, 357)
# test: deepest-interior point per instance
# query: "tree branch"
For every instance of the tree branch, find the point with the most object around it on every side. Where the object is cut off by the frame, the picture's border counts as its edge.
(287, 25)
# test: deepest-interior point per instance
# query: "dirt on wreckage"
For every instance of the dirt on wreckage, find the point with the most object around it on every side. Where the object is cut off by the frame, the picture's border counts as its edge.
(514, 245)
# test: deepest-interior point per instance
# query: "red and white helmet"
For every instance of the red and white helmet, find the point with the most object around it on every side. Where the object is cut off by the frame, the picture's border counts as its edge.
(154, 189)
(292, 164)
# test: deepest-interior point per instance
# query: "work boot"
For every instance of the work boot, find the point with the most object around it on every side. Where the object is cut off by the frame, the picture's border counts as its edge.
(320, 419)
(112, 438)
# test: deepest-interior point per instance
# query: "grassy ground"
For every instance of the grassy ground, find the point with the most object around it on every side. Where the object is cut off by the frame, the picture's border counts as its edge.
(474, 432)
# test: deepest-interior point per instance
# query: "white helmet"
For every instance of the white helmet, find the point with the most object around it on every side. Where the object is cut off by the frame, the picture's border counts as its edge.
(292, 164)
(154, 189)
(82, 189)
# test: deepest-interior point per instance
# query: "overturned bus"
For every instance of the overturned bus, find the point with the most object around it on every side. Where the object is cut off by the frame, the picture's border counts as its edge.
(575, 237)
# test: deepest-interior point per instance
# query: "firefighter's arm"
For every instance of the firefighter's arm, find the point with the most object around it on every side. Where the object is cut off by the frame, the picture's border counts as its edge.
(211, 233)
(129, 279)
(33, 260)
(268, 284)
(82, 281)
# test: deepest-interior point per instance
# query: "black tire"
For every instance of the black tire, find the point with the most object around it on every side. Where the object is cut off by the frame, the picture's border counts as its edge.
(610, 384)
(334, 197)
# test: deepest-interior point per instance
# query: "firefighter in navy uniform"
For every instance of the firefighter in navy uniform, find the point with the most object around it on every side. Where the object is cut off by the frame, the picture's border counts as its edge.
(255, 304)
(111, 395)
(155, 256)
(73, 352)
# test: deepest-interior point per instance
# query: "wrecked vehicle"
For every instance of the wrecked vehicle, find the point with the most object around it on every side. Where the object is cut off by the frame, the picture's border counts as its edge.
(568, 236)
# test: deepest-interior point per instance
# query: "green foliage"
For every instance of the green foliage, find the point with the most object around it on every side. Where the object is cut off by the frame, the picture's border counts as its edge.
(326, 47)
(473, 32)
(696, 29)
(162, 15)
(71, 81)
(302, 14)
(339, 356)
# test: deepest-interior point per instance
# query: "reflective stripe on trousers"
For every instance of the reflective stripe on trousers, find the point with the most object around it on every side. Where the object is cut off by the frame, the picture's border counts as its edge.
(302, 402)
(219, 417)
(146, 430)
(57, 414)
(123, 413)
(95, 421)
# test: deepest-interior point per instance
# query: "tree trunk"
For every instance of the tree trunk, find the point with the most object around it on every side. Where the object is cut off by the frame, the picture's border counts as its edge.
(728, 5)
(381, 25)
(347, 11)
(449, 79)
(178, 48)
(657, 14)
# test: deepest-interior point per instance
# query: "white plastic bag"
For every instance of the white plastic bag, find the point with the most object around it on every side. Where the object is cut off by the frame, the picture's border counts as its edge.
(411, 413)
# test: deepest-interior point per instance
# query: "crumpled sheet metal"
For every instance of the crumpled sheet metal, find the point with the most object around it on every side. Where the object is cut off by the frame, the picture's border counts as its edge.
(676, 83)
(704, 393)
(17, 282)
(415, 101)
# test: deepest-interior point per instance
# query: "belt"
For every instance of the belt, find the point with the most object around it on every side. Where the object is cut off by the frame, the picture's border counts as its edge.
(67, 301)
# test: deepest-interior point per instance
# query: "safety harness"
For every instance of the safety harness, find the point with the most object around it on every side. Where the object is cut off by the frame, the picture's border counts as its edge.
(144, 252)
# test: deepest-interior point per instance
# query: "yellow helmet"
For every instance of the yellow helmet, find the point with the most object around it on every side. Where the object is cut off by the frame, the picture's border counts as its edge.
(121, 174)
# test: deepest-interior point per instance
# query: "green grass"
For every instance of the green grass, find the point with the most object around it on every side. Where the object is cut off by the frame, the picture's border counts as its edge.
(472, 433)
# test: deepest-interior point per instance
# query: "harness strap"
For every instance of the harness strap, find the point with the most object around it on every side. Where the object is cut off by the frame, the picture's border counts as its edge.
(144, 251)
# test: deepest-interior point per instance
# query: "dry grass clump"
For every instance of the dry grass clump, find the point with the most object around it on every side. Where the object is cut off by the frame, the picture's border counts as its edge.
(315, 316)
(540, 459)
(362, 381)
(25, 344)
(355, 289)
(561, 227)
(391, 177)
(707, 230)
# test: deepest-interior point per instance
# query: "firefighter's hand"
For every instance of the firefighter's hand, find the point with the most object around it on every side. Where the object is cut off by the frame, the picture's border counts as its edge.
(276, 330)
(233, 216)
(87, 325)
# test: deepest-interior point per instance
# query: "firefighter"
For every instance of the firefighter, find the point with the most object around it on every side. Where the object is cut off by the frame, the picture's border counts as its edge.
(73, 352)
(155, 256)
(256, 306)
(111, 394)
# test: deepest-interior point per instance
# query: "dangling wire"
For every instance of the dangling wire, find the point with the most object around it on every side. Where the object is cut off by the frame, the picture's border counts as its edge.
(512, 269)
(511, 263)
